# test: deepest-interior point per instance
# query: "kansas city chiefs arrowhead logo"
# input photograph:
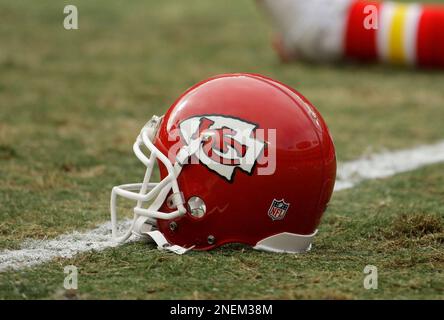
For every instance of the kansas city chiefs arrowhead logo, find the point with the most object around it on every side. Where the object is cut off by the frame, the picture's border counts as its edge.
(229, 143)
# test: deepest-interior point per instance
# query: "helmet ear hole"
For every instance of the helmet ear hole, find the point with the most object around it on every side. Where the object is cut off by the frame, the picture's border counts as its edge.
(197, 207)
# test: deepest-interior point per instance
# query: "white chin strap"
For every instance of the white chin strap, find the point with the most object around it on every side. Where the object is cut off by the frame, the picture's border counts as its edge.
(144, 220)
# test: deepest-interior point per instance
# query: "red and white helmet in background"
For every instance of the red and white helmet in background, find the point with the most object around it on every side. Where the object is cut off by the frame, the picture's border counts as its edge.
(364, 30)
(242, 159)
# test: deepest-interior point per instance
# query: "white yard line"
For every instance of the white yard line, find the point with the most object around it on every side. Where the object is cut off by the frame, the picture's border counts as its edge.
(387, 164)
(349, 174)
(35, 252)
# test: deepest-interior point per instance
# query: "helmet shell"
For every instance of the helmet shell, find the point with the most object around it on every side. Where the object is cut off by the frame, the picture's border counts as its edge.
(238, 209)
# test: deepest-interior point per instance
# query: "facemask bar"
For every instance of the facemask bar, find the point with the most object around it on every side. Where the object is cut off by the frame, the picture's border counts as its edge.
(148, 191)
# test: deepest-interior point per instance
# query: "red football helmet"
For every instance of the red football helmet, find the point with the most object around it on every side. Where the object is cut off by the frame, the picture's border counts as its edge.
(242, 158)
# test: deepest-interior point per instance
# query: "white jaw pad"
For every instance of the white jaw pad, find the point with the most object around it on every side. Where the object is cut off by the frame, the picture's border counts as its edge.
(286, 243)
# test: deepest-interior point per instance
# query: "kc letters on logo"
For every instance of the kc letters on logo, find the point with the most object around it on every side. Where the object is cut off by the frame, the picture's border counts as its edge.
(230, 143)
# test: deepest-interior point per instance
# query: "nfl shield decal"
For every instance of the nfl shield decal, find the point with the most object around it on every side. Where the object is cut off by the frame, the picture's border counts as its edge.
(278, 209)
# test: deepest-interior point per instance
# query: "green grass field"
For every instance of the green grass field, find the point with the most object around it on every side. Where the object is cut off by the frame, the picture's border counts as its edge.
(72, 103)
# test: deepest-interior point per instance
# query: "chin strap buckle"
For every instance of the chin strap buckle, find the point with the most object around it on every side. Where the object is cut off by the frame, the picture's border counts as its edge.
(163, 244)
(142, 227)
